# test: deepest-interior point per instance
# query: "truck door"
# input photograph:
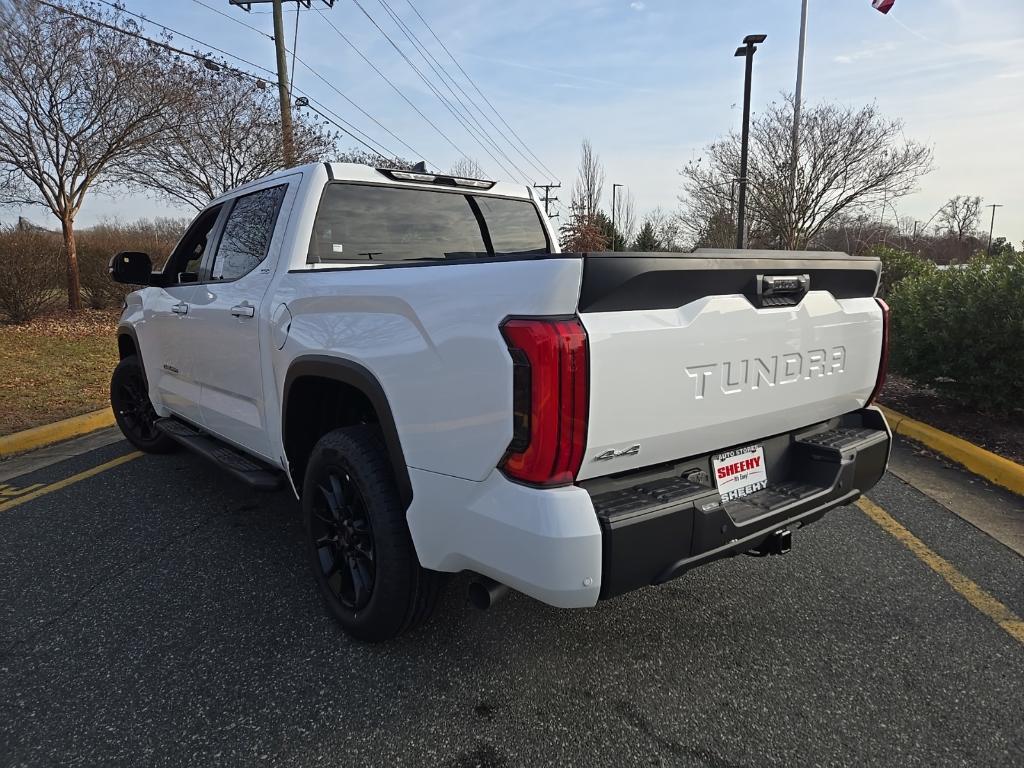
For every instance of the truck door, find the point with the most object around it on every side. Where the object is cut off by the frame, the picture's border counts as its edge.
(165, 335)
(225, 316)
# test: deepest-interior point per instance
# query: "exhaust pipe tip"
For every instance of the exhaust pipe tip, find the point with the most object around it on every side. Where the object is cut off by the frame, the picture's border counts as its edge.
(485, 592)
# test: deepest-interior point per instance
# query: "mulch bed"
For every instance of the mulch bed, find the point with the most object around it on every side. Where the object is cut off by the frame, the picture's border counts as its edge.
(1003, 435)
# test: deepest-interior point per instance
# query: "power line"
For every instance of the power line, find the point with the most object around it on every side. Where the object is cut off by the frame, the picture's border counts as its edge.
(439, 70)
(316, 74)
(206, 60)
(386, 79)
(234, 19)
(445, 74)
(147, 20)
(477, 88)
(431, 86)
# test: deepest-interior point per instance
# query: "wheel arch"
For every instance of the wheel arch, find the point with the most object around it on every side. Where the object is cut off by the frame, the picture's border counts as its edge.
(354, 378)
(128, 342)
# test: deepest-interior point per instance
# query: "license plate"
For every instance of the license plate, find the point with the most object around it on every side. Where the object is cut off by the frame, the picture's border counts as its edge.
(740, 472)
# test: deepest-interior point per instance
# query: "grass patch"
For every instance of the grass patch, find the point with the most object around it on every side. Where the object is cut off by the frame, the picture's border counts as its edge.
(55, 367)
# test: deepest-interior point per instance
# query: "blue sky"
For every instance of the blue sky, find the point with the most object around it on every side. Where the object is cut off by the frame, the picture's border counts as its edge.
(650, 82)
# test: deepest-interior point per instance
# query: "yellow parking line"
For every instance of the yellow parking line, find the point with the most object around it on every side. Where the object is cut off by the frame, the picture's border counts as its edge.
(970, 591)
(69, 481)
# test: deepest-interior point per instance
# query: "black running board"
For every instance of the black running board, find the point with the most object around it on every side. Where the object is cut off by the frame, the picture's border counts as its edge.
(250, 471)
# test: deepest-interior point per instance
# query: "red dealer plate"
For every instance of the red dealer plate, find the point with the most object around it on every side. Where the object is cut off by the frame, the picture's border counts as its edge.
(740, 472)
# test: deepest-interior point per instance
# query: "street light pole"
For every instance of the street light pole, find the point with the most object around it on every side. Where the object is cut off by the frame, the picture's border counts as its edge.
(992, 225)
(747, 51)
(615, 232)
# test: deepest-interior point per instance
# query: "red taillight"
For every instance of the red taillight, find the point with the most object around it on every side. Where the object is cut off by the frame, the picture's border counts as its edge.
(883, 363)
(550, 390)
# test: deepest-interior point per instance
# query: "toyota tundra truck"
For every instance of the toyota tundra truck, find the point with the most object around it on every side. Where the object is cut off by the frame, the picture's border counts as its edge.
(445, 391)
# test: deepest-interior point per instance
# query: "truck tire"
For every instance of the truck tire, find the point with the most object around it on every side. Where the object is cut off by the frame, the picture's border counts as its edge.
(133, 411)
(358, 540)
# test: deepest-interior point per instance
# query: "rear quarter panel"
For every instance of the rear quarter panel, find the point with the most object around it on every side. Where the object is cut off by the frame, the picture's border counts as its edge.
(430, 334)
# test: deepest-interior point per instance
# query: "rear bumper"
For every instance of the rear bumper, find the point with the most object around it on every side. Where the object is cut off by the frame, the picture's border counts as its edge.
(658, 525)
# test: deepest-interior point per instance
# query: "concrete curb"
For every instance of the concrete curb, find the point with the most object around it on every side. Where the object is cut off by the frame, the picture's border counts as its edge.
(48, 434)
(996, 469)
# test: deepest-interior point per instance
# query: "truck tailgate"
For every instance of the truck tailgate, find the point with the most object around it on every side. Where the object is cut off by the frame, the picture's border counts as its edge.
(691, 353)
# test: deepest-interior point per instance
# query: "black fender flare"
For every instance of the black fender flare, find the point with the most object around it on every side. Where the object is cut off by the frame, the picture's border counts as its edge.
(124, 329)
(359, 377)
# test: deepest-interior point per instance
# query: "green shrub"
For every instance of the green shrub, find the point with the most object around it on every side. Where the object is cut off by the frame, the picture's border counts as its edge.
(29, 272)
(898, 265)
(961, 331)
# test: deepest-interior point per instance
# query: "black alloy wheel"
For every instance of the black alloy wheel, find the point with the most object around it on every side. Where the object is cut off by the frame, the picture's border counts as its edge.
(133, 410)
(343, 538)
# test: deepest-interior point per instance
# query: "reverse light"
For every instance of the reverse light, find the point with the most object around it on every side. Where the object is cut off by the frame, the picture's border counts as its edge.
(883, 363)
(550, 399)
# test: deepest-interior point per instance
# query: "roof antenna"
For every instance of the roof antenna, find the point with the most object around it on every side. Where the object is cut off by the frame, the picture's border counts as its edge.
(420, 167)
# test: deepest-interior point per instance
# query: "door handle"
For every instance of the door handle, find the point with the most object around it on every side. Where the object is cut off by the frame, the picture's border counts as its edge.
(180, 309)
(243, 310)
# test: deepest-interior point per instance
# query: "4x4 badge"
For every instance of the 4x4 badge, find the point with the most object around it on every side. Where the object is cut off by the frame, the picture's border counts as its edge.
(633, 450)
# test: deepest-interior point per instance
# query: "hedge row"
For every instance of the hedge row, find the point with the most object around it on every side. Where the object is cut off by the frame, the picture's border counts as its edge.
(32, 264)
(960, 330)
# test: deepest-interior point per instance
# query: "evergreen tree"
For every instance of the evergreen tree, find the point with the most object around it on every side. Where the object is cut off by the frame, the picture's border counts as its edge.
(647, 239)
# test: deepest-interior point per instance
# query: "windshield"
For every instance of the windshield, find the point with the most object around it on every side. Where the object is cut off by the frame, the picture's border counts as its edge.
(360, 222)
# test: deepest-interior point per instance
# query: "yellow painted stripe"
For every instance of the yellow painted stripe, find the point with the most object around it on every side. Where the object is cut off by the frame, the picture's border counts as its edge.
(69, 481)
(47, 434)
(991, 466)
(970, 591)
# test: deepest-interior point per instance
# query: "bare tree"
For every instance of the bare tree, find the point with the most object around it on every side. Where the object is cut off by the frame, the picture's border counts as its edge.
(850, 159)
(667, 229)
(230, 137)
(467, 168)
(586, 192)
(77, 99)
(960, 215)
(625, 217)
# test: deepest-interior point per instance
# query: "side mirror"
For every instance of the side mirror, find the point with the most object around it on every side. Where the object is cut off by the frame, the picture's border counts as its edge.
(131, 268)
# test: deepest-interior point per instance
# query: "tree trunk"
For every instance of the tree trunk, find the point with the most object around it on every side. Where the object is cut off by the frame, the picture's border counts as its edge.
(71, 253)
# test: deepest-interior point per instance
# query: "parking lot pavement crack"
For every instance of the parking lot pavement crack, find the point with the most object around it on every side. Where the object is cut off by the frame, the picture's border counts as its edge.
(635, 718)
(113, 576)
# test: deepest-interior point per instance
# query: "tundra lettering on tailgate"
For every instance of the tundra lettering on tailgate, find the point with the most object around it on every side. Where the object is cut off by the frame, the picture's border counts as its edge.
(733, 376)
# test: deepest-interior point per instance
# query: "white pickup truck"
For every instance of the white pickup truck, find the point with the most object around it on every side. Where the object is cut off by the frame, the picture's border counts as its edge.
(445, 391)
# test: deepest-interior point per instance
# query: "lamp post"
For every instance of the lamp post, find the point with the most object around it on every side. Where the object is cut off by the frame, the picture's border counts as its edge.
(746, 50)
(615, 233)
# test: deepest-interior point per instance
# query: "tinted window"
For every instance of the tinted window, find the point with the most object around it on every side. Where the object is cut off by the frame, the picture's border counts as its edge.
(514, 225)
(371, 223)
(247, 233)
(184, 261)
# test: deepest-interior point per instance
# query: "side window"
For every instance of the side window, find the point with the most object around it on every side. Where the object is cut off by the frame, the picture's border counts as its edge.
(183, 264)
(247, 233)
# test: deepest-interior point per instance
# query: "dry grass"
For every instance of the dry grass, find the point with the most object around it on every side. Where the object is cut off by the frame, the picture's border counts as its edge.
(55, 367)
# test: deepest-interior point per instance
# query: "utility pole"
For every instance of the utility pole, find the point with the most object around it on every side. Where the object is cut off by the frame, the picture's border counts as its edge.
(615, 232)
(797, 96)
(747, 51)
(283, 84)
(548, 198)
(992, 225)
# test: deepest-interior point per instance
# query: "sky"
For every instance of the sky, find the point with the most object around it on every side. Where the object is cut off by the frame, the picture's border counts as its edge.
(651, 82)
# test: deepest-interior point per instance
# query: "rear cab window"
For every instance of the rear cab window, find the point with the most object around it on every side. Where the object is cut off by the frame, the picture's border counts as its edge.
(364, 223)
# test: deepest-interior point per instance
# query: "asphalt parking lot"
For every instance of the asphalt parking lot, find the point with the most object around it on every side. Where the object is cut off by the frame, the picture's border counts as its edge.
(158, 613)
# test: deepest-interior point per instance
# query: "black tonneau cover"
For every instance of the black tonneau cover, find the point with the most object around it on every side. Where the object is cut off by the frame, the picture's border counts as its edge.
(616, 282)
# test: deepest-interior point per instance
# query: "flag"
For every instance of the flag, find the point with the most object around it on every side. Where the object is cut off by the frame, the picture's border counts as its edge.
(883, 5)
